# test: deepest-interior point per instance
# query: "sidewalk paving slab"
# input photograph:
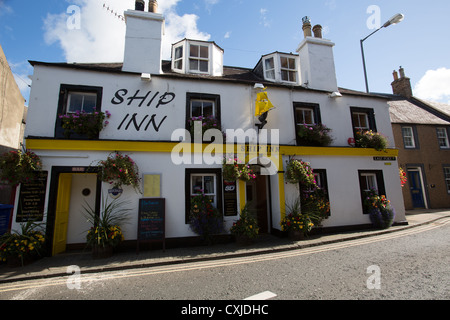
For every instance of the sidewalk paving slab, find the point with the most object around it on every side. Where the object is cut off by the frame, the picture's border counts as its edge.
(48, 267)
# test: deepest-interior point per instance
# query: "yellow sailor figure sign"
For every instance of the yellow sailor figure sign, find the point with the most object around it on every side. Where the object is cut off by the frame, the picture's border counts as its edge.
(263, 103)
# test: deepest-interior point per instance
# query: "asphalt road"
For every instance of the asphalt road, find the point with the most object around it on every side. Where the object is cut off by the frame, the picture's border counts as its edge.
(406, 265)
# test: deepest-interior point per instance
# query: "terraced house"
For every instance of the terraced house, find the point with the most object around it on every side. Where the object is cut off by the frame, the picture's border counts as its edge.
(149, 104)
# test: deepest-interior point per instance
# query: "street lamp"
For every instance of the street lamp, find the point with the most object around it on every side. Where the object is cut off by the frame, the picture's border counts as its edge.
(394, 20)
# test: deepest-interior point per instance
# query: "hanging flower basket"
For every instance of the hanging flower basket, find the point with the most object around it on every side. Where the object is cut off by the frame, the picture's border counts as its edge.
(233, 170)
(298, 171)
(19, 167)
(83, 123)
(120, 170)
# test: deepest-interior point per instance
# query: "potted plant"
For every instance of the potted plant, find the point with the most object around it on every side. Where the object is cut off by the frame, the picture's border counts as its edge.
(315, 203)
(84, 123)
(233, 170)
(371, 139)
(19, 166)
(316, 135)
(205, 220)
(379, 209)
(298, 171)
(105, 233)
(245, 230)
(118, 170)
(296, 223)
(21, 248)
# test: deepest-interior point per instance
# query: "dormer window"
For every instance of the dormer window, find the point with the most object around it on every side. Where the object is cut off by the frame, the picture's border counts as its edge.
(198, 57)
(279, 67)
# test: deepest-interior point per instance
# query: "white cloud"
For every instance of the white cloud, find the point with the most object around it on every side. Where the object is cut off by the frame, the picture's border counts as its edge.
(434, 86)
(264, 21)
(227, 35)
(101, 36)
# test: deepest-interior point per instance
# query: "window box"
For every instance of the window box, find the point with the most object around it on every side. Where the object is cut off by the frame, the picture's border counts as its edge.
(79, 112)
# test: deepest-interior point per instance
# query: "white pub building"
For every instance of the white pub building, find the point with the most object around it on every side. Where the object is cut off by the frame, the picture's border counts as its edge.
(150, 102)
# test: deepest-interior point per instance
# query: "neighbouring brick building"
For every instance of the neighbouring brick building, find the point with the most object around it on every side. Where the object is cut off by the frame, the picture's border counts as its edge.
(421, 133)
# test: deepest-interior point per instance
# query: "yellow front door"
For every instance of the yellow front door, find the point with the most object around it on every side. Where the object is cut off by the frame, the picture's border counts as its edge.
(62, 213)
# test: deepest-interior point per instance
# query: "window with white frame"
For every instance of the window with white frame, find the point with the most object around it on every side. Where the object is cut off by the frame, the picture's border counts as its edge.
(304, 116)
(288, 69)
(81, 102)
(198, 58)
(442, 137)
(368, 182)
(360, 121)
(203, 181)
(203, 108)
(204, 184)
(408, 137)
(178, 58)
(447, 178)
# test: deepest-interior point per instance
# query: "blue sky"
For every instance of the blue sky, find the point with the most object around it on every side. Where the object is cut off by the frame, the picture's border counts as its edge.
(245, 29)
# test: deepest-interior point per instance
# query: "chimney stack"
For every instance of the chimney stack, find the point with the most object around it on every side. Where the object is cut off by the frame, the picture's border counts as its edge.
(139, 5)
(402, 86)
(307, 27)
(153, 6)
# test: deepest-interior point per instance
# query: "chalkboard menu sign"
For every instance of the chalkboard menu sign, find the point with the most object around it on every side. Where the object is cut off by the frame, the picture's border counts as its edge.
(230, 198)
(151, 223)
(32, 199)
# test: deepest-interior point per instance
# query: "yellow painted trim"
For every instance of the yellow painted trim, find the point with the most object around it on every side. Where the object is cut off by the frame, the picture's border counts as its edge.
(281, 191)
(242, 195)
(155, 146)
(336, 151)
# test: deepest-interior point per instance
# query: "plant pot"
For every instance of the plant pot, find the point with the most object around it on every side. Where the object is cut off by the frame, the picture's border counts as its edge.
(101, 252)
(15, 261)
(296, 235)
(243, 240)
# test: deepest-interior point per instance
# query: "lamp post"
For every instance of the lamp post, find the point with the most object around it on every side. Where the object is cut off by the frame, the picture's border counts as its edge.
(394, 20)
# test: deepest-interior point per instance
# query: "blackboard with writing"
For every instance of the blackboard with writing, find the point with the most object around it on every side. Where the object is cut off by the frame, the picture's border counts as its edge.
(32, 199)
(151, 221)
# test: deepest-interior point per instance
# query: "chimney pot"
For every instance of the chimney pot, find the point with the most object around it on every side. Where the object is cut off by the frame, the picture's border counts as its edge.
(402, 72)
(306, 27)
(317, 29)
(153, 6)
(395, 75)
(139, 5)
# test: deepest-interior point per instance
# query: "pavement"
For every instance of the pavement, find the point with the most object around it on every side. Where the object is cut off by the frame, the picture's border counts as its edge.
(56, 266)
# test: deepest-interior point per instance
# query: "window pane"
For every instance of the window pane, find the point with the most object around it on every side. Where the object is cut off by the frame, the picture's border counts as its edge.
(196, 108)
(75, 102)
(305, 116)
(208, 108)
(204, 52)
(178, 64)
(292, 76)
(291, 64)
(178, 53)
(270, 74)
(209, 184)
(284, 63)
(193, 52)
(269, 64)
(193, 64)
(197, 184)
(284, 75)
(89, 103)
(204, 66)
